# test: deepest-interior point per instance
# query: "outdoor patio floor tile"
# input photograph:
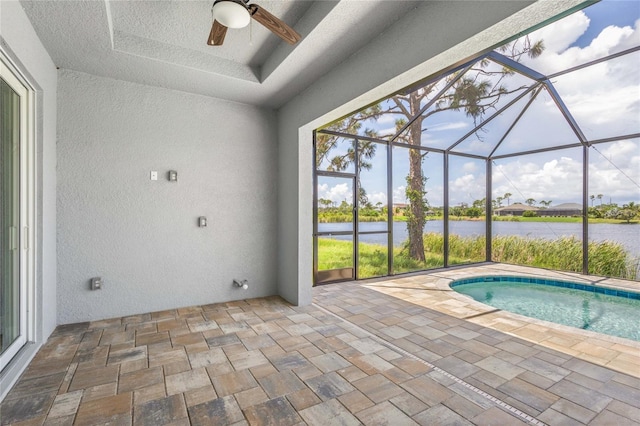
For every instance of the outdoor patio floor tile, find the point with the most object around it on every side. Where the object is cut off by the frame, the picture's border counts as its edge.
(223, 411)
(274, 412)
(386, 352)
(111, 409)
(328, 413)
(160, 411)
(234, 382)
(440, 414)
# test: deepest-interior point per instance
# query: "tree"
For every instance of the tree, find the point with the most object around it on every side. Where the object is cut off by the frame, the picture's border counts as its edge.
(499, 201)
(592, 197)
(599, 197)
(507, 196)
(544, 203)
(475, 93)
(345, 207)
(628, 212)
(479, 203)
(340, 153)
(474, 211)
(457, 211)
(530, 201)
(326, 203)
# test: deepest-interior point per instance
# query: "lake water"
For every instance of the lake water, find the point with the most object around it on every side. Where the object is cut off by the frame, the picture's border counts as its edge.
(627, 235)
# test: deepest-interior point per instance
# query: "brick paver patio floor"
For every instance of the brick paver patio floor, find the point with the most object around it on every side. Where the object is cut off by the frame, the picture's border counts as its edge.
(358, 355)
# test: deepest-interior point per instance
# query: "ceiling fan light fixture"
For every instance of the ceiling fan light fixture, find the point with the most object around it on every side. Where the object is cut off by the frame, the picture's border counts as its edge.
(231, 14)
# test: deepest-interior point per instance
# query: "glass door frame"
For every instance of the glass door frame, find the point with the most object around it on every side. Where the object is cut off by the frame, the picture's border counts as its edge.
(27, 207)
(341, 274)
(333, 276)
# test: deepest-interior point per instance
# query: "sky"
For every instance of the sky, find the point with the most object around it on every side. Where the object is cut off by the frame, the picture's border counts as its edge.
(604, 99)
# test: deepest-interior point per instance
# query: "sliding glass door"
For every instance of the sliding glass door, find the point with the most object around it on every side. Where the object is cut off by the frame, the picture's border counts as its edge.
(13, 215)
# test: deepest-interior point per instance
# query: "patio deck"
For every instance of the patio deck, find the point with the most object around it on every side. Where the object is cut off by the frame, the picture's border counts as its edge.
(392, 352)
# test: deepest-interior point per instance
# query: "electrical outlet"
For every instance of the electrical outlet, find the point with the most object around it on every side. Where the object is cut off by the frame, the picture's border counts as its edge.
(96, 283)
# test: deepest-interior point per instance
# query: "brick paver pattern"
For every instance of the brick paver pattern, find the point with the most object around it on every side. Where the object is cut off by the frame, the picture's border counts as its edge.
(356, 356)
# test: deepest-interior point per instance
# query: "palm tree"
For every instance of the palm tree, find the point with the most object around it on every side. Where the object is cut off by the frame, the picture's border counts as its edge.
(530, 201)
(507, 196)
(593, 197)
(545, 203)
(599, 197)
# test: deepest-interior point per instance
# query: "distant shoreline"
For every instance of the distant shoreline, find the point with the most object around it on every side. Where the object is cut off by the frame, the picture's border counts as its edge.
(552, 219)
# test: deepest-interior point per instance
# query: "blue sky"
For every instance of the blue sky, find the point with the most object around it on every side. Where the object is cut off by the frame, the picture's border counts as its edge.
(620, 13)
(604, 99)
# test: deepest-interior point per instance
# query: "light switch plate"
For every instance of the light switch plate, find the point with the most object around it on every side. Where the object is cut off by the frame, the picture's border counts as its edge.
(96, 283)
(154, 175)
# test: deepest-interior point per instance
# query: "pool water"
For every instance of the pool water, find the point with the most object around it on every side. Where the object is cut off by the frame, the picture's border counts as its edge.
(584, 306)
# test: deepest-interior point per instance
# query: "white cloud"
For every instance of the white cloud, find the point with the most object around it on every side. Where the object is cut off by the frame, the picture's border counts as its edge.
(449, 126)
(386, 132)
(620, 181)
(603, 98)
(399, 195)
(467, 188)
(337, 193)
(377, 197)
(470, 167)
(387, 118)
(558, 36)
(560, 179)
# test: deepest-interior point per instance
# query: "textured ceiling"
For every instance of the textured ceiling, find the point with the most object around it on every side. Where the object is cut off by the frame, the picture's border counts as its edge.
(163, 43)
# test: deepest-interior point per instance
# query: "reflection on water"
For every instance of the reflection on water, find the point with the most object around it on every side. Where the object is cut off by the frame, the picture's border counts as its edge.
(585, 314)
(488, 297)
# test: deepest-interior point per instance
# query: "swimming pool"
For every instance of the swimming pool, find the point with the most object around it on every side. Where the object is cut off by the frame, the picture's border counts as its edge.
(599, 309)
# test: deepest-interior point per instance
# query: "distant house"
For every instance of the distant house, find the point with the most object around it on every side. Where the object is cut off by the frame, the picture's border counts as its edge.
(565, 209)
(515, 209)
(399, 209)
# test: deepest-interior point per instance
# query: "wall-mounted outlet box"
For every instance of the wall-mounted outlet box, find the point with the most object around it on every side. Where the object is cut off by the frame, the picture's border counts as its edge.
(96, 283)
(173, 176)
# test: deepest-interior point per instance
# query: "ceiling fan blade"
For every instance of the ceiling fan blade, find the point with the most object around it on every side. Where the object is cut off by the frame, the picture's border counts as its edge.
(274, 24)
(216, 36)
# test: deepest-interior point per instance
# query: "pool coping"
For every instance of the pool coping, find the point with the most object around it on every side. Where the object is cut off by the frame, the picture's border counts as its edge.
(613, 352)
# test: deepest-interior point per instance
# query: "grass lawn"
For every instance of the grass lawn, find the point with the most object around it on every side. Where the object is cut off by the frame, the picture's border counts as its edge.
(563, 254)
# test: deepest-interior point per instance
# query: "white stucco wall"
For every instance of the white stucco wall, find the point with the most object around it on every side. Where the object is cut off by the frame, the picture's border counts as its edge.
(20, 40)
(141, 236)
(432, 37)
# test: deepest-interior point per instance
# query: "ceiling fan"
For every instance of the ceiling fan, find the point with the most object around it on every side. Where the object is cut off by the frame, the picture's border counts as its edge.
(238, 13)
